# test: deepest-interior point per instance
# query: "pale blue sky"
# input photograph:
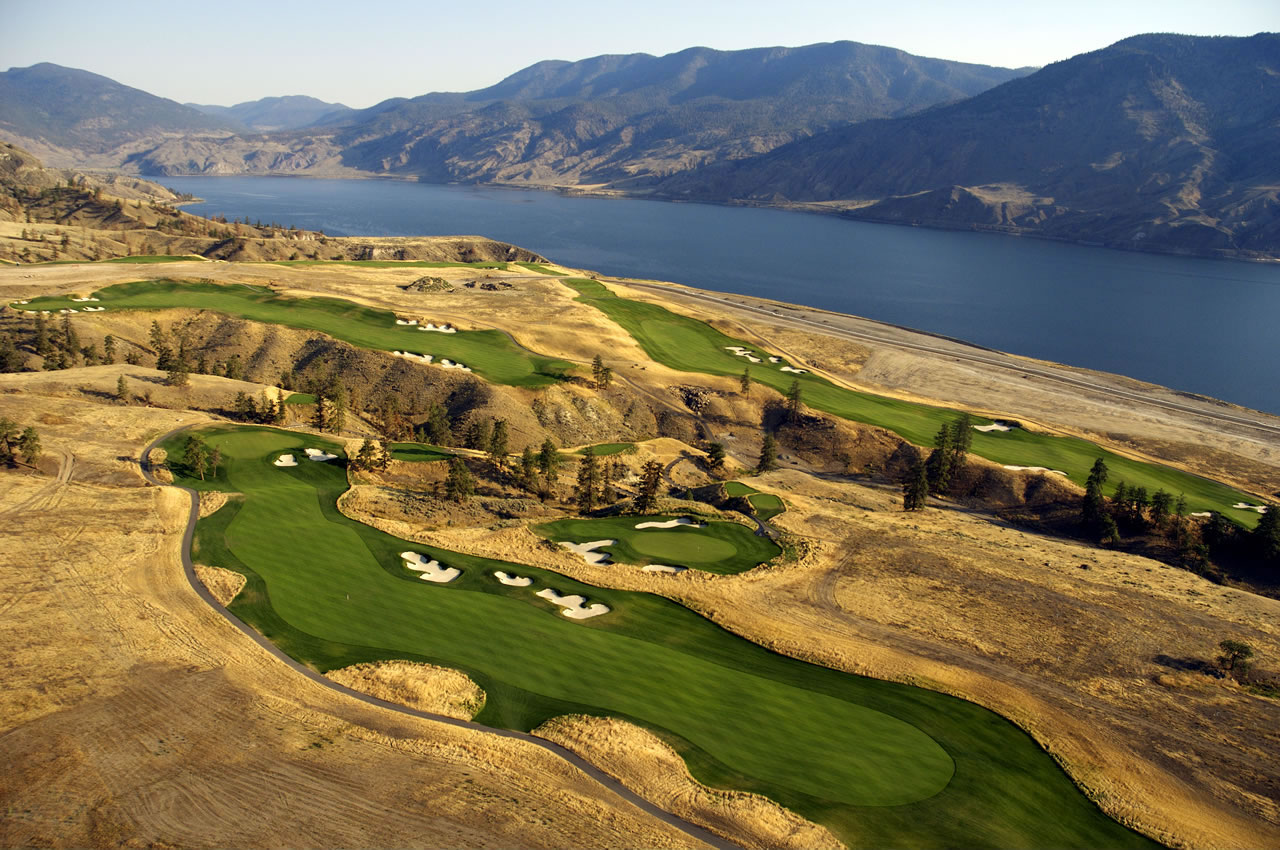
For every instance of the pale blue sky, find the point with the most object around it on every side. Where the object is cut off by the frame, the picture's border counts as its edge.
(226, 51)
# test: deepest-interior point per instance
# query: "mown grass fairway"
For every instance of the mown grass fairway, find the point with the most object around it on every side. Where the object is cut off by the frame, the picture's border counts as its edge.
(880, 763)
(766, 505)
(604, 449)
(540, 269)
(300, 398)
(724, 548)
(391, 264)
(418, 452)
(490, 354)
(692, 346)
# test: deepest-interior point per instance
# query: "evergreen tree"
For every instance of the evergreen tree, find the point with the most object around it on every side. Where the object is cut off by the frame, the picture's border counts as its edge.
(11, 359)
(768, 454)
(365, 457)
(459, 485)
(1093, 510)
(1266, 536)
(43, 346)
(650, 481)
(600, 373)
(122, 389)
(195, 455)
(938, 466)
(528, 469)
(498, 442)
(744, 382)
(715, 457)
(1098, 473)
(337, 414)
(549, 461)
(8, 439)
(234, 368)
(795, 401)
(160, 345)
(436, 428)
(1161, 507)
(109, 349)
(320, 416)
(587, 489)
(215, 458)
(29, 445)
(915, 489)
(961, 441)
(176, 375)
(70, 339)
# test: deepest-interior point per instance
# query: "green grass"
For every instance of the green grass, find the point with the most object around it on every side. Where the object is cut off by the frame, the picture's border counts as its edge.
(604, 449)
(300, 398)
(689, 345)
(540, 269)
(391, 264)
(882, 764)
(766, 505)
(156, 258)
(491, 354)
(723, 548)
(418, 452)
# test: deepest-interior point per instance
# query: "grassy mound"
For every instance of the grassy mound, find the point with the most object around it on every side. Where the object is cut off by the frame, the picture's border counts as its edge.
(692, 346)
(882, 764)
(723, 548)
(490, 354)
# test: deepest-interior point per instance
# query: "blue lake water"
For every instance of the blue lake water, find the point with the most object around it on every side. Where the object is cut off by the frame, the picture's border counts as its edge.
(1203, 326)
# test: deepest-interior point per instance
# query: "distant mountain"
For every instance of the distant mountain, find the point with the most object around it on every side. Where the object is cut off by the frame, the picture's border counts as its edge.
(77, 115)
(291, 112)
(623, 120)
(1164, 142)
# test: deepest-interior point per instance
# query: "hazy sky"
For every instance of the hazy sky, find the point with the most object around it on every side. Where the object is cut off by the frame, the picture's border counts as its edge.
(229, 51)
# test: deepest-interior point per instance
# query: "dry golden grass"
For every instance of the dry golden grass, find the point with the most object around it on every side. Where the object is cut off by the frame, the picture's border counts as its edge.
(425, 687)
(650, 767)
(225, 585)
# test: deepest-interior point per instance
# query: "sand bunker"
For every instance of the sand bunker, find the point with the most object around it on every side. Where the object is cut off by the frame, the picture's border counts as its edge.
(574, 607)
(430, 570)
(418, 358)
(449, 364)
(94, 309)
(588, 550)
(663, 568)
(22, 302)
(406, 321)
(775, 359)
(995, 426)
(672, 523)
(793, 370)
(1202, 514)
(286, 460)
(742, 352)
(444, 329)
(514, 581)
(1262, 509)
(1035, 469)
(316, 454)
(85, 299)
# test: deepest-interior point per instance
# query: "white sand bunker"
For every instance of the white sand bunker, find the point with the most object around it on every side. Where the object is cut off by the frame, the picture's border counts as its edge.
(449, 364)
(793, 370)
(1035, 469)
(994, 426)
(316, 454)
(672, 523)
(86, 299)
(588, 550)
(663, 568)
(1202, 514)
(93, 309)
(430, 570)
(28, 301)
(742, 352)
(775, 359)
(574, 606)
(514, 581)
(417, 358)
(444, 329)
(1262, 509)
(286, 460)
(406, 321)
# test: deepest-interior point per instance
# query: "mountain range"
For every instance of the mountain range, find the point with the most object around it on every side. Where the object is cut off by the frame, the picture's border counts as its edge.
(1158, 142)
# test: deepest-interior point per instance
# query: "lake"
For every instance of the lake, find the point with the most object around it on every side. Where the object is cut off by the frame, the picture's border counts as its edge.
(1203, 326)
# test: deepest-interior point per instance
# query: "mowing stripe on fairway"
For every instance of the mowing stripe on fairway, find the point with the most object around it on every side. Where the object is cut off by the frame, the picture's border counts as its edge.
(689, 345)
(490, 354)
(880, 763)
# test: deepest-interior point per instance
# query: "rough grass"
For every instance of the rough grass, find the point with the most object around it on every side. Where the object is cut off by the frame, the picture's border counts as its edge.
(723, 548)
(689, 345)
(418, 452)
(881, 764)
(490, 354)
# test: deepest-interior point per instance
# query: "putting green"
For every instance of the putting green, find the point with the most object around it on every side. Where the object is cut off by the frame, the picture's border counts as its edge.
(490, 354)
(724, 548)
(882, 764)
(766, 505)
(689, 345)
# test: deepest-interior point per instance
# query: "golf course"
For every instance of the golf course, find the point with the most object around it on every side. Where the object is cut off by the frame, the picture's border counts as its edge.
(766, 505)
(489, 353)
(881, 764)
(723, 548)
(689, 345)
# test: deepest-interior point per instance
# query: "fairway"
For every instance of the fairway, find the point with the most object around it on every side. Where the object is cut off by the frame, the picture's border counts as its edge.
(391, 264)
(766, 505)
(881, 764)
(418, 452)
(723, 548)
(605, 449)
(490, 354)
(692, 346)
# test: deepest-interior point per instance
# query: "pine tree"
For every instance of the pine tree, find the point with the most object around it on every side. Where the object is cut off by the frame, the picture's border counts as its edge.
(1093, 510)
(459, 485)
(744, 382)
(29, 445)
(478, 434)
(715, 457)
(961, 441)
(320, 417)
(650, 481)
(938, 466)
(768, 454)
(215, 458)
(498, 442)
(587, 489)
(915, 489)
(600, 373)
(436, 428)
(1161, 507)
(70, 339)
(195, 455)
(528, 469)
(122, 389)
(109, 349)
(1266, 535)
(160, 345)
(795, 401)
(8, 439)
(43, 346)
(364, 458)
(549, 461)
(11, 360)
